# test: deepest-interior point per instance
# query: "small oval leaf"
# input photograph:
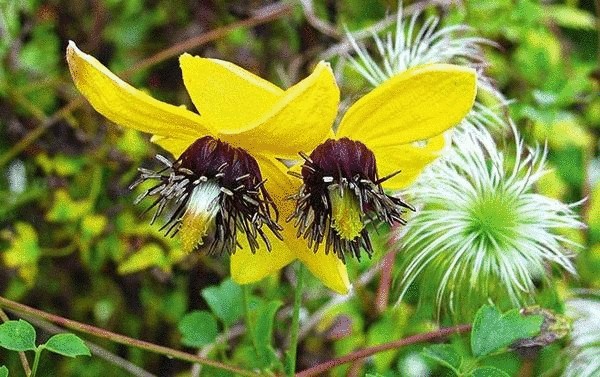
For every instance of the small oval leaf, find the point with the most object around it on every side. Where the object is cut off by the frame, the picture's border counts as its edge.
(445, 355)
(225, 301)
(67, 345)
(198, 328)
(17, 336)
(3, 371)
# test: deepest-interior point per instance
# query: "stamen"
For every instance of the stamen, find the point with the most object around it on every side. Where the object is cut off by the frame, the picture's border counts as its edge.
(213, 191)
(164, 160)
(341, 195)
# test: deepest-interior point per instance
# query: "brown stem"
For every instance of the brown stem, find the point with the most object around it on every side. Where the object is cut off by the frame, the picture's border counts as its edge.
(385, 281)
(365, 352)
(22, 356)
(272, 12)
(95, 349)
(121, 339)
(39, 130)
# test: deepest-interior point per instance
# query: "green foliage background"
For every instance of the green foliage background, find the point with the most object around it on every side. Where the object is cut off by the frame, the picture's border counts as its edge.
(72, 243)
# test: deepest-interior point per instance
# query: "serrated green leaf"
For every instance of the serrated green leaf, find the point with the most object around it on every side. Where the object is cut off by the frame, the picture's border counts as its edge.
(225, 301)
(445, 355)
(198, 328)
(493, 330)
(488, 372)
(3, 371)
(17, 336)
(69, 345)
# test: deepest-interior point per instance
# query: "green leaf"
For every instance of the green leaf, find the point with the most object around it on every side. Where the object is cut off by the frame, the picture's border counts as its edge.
(225, 301)
(149, 255)
(41, 54)
(24, 251)
(493, 330)
(571, 17)
(390, 326)
(264, 318)
(3, 371)
(488, 372)
(17, 336)
(198, 328)
(65, 209)
(445, 355)
(67, 345)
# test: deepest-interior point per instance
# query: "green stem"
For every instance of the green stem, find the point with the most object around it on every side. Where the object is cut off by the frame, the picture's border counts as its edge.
(121, 339)
(222, 345)
(36, 361)
(293, 350)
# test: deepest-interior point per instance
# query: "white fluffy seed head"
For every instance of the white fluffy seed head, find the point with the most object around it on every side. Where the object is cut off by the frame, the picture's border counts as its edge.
(482, 231)
(412, 43)
(584, 350)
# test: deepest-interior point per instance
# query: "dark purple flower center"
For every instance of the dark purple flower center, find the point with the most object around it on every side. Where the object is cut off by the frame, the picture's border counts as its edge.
(213, 191)
(341, 194)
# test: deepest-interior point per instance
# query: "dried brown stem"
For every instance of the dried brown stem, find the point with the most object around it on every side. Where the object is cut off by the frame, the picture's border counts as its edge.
(95, 349)
(272, 12)
(121, 339)
(385, 281)
(365, 352)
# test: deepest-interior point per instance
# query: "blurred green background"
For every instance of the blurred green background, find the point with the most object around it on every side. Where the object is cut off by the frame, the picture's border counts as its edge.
(72, 242)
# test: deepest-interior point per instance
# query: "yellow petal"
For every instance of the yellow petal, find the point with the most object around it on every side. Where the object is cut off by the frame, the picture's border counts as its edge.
(172, 145)
(127, 106)
(410, 159)
(415, 105)
(228, 95)
(299, 121)
(329, 269)
(248, 268)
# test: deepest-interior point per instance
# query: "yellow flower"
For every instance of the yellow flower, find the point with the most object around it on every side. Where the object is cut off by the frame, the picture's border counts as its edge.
(244, 115)
(238, 110)
(396, 127)
(392, 132)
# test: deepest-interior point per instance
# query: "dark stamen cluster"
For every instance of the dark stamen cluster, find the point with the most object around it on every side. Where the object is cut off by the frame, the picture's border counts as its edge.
(348, 166)
(244, 203)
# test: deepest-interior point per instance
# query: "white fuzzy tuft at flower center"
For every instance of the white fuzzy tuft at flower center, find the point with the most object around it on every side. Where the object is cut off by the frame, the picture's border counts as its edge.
(199, 217)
